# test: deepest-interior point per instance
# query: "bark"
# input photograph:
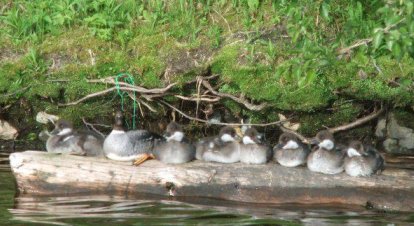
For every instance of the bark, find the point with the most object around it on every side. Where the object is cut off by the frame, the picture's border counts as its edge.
(43, 173)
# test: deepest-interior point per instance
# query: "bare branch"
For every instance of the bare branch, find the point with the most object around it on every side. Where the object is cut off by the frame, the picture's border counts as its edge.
(89, 125)
(277, 123)
(111, 80)
(358, 122)
(89, 96)
(202, 98)
(240, 100)
(298, 135)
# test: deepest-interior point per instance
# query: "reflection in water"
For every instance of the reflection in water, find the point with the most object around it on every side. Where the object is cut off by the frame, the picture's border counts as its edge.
(155, 210)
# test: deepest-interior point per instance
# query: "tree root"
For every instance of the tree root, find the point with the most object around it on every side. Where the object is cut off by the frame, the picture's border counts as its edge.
(213, 97)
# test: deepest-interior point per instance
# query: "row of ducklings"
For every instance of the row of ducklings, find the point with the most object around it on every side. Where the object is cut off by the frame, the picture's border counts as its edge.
(173, 147)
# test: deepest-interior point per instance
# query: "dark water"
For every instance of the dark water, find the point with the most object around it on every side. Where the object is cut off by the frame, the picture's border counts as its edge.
(153, 210)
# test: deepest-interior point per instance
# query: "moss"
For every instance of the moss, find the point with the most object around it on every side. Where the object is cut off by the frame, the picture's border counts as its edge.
(258, 82)
(405, 117)
(341, 113)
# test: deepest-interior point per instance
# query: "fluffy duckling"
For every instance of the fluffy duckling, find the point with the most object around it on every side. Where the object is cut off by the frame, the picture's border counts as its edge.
(252, 151)
(127, 146)
(290, 152)
(326, 158)
(176, 149)
(362, 161)
(224, 148)
(65, 139)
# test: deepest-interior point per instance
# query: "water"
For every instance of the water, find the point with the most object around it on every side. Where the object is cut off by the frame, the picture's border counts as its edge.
(154, 210)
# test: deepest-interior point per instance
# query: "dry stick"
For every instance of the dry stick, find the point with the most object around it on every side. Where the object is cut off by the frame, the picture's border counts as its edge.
(210, 100)
(89, 96)
(358, 122)
(240, 100)
(228, 26)
(106, 91)
(220, 123)
(304, 139)
(366, 40)
(92, 127)
(135, 88)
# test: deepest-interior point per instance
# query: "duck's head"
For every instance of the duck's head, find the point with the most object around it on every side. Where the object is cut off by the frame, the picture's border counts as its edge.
(174, 131)
(62, 127)
(288, 141)
(324, 139)
(227, 134)
(356, 148)
(118, 121)
(251, 136)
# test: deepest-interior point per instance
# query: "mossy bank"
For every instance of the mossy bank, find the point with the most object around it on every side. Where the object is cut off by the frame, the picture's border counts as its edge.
(322, 64)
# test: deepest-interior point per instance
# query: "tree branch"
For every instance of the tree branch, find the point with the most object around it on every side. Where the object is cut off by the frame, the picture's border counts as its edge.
(240, 100)
(278, 123)
(358, 122)
(89, 96)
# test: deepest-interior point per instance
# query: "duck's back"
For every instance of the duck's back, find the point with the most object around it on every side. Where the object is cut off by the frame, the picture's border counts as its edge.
(143, 141)
(91, 143)
(202, 146)
(59, 144)
(254, 153)
(224, 152)
(364, 165)
(325, 161)
(174, 152)
(291, 157)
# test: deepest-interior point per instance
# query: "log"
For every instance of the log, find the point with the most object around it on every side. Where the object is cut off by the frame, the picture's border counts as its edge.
(42, 173)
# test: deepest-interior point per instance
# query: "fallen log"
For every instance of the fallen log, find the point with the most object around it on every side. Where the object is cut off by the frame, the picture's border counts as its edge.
(42, 173)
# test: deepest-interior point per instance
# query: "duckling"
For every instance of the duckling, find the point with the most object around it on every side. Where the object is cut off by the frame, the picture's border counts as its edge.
(326, 158)
(290, 152)
(127, 146)
(362, 161)
(65, 139)
(252, 151)
(176, 149)
(224, 148)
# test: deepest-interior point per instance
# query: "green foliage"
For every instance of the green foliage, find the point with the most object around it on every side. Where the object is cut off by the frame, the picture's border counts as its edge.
(285, 53)
(395, 34)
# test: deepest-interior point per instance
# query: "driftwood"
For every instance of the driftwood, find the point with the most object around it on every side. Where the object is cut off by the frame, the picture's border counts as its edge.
(47, 174)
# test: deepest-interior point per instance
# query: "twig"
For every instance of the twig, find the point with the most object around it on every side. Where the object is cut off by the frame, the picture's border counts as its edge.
(16, 92)
(367, 40)
(228, 26)
(298, 135)
(240, 100)
(89, 125)
(157, 92)
(356, 44)
(278, 123)
(210, 100)
(358, 122)
(89, 96)
(110, 80)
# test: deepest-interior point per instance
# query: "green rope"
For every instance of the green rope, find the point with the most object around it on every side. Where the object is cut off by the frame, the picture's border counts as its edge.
(127, 78)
